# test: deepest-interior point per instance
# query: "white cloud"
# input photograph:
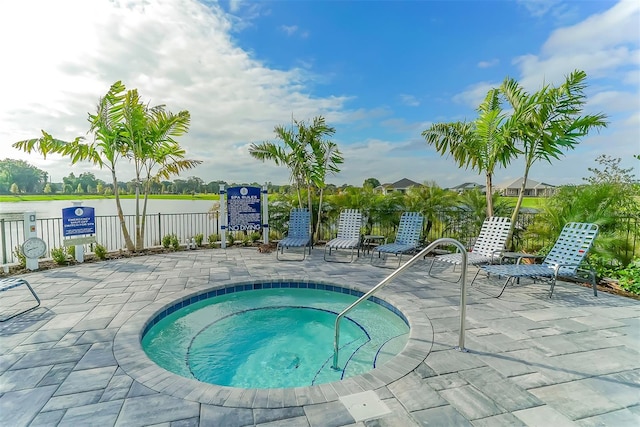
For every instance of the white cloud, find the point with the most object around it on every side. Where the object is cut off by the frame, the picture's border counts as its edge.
(488, 64)
(409, 100)
(175, 52)
(289, 29)
(539, 7)
(475, 94)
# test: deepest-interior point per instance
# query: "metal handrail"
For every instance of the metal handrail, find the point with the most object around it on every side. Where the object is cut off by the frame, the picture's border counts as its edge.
(422, 253)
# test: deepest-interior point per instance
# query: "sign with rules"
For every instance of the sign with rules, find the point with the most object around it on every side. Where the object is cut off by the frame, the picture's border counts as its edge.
(78, 220)
(243, 209)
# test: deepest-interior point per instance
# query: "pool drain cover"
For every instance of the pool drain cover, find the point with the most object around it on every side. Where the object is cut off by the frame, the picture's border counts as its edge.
(365, 405)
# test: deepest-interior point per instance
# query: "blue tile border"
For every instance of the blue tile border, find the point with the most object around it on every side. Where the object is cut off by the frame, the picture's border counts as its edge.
(257, 285)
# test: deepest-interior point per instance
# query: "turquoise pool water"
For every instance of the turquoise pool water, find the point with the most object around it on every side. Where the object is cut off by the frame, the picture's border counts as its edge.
(273, 338)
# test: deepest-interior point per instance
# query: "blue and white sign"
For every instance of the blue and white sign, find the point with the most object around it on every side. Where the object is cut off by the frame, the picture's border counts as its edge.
(78, 220)
(243, 212)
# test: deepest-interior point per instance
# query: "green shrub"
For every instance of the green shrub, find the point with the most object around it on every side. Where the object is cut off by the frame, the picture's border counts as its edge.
(71, 251)
(230, 239)
(198, 238)
(213, 238)
(59, 256)
(100, 251)
(175, 243)
(254, 237)
(22, 260)
(166, 240)
(246, 241)
(629, 277)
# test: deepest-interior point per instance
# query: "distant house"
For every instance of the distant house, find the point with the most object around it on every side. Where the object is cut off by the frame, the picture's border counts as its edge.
(401, 186)
(532, 189)
(468, 186)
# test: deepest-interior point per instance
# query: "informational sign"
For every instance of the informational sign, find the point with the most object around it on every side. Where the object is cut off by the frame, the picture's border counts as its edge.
(78, 220)
(243, 209)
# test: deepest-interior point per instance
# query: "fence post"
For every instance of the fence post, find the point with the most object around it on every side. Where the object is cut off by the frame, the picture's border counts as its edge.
(160, 227)
(4, 247)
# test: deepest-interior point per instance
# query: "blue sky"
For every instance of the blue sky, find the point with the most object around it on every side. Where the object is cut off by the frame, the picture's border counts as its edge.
(379, 71)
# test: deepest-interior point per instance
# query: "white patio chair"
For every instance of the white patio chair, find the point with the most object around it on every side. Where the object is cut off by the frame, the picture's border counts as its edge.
(564, 260)
(298, 235)
(407, 237)
(487, 248)
(348, 234)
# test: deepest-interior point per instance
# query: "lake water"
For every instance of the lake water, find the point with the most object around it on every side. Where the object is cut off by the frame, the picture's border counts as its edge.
(103, 207)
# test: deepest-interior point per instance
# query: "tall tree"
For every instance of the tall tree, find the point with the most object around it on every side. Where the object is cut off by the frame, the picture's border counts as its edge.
(324, 160)
(430, 200)
(548, 121)
(28, 178)
(149, 133)
(124, 128)
(307, 154)
(483, 144)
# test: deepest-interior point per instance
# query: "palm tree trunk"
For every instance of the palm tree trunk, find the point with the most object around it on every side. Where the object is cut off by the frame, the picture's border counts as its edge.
(516, 210)
(125, 233)
(143, 219)
(317, 235)
(489, 193)
(310, 204)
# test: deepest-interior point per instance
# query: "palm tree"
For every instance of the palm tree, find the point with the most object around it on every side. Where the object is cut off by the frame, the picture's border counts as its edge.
(548, 121)
(124, 127)
(289, 152)
(430, 200)
(482, 144)
(307, 154)
(150, 135)
(326, 158)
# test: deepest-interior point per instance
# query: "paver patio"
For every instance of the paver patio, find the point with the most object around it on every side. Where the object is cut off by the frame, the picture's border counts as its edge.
(532, 361)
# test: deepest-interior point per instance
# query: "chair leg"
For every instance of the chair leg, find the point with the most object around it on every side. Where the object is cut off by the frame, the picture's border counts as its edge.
(433, 260)
(343, 262)
(506, 282)
(593, 282)
(281, 252)
(17, 283)
(475, 276)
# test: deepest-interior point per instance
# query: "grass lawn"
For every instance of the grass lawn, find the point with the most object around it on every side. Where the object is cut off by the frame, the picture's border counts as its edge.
(527, 202)
(49, 197)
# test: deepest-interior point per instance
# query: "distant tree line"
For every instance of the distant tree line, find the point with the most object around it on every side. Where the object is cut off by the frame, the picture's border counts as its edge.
(19, 177)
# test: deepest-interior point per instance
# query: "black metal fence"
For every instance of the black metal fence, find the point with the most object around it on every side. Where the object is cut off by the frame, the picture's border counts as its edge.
(460, 225)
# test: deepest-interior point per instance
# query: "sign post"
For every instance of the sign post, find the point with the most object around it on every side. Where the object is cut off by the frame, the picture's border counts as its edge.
(223, 217)
(78, 221)
(265, 214)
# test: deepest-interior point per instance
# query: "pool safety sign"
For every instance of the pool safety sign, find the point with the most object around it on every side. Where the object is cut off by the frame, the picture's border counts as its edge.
(243, 209)
(78, 220)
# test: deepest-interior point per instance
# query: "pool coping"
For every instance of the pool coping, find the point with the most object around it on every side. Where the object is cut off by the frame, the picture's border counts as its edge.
(131, 357)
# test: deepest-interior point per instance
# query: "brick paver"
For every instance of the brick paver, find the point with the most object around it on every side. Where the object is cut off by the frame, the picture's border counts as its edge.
(570, 360)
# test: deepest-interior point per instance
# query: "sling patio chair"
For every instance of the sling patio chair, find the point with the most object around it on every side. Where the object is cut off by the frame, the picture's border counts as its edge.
(564, 260)
(298, 235)
(348, 234)
(407, 237)
(7, 284)
(487, 248)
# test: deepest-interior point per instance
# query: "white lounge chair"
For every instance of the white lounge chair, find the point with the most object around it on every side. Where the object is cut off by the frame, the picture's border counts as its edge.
(486, 249)
(407, 237)
(564, 260)
(348, 234)
(298, 235)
